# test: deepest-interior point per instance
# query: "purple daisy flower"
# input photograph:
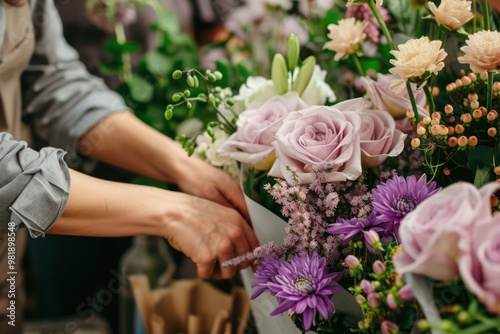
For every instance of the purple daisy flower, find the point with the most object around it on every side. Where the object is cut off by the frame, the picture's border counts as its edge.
(351, 227)
(303, 286)
(266, 272)
(397, 197)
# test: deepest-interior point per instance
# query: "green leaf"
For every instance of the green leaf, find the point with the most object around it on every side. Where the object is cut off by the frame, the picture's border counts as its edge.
(109, 68)
(140, 89)
(480, 157)
(481, 177)
(332, 16)
(373, 64)
(243, 71)
(480, 161)
(158, 63)
(168, 23)
(113, 46)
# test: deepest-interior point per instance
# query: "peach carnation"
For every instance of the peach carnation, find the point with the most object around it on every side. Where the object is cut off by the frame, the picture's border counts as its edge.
(482, 52)
(453, 14)
(415, 61)
(346, 37)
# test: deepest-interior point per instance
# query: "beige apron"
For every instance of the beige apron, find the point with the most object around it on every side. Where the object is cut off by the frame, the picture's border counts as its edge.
(16, 51)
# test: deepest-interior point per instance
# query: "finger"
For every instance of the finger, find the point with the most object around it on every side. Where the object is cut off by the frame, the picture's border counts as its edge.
(205, 270)
(225, 252)
(244, 240)
(242, 247)
(221, 272)
(250, 236)
(237, 200)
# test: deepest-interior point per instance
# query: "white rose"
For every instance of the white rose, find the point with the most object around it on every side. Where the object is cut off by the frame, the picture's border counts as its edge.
(318, 92)
(254, 92)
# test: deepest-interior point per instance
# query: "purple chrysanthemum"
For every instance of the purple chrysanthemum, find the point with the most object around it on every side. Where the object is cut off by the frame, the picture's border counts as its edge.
(303, 286)
(351, 227)
(266, 272)
(398, 196)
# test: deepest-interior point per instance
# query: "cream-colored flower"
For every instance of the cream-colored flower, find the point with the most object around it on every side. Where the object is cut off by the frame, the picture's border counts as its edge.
(346, 37)
(285, 4)
(360, 2)
(482, 52)
(207, 150)
(416, 60)
(453, 14)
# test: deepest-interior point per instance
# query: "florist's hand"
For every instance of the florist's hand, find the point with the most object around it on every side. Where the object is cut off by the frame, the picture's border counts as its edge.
(209, 234)
(154, 155)
(201, 179)
(206, 232)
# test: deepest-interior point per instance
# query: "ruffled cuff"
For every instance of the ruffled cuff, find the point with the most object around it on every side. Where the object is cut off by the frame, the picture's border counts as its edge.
(34, 186)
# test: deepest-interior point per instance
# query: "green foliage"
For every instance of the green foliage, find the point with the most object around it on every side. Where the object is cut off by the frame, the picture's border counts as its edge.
(149, 88)
(151, 85)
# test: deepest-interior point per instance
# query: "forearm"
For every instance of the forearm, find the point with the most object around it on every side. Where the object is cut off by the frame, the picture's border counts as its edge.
(124, 141)
(206, 232)
(102, 208)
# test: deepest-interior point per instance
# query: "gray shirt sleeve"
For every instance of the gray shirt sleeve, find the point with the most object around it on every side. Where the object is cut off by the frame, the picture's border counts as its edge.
(34, 186)
(61, 100)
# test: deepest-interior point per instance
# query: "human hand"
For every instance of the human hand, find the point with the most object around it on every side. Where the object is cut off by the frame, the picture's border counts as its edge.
(206, 181)
(154, 155)
(209, 234)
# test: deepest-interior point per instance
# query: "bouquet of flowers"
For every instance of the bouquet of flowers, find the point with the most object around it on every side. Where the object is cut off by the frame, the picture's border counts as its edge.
(365, 220)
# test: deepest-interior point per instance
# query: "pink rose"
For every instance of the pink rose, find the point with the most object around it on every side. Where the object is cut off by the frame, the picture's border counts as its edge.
(379, 137)
(318, 136)
(252, 142)
(383, 98)
(480, 265)
(430, 234)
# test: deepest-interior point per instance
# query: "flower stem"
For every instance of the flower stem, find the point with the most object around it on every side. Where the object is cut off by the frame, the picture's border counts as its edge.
(359, 67)
(413, 103)
(121, 38)
(430, 99)
(381, 22)
(489, 92)
(486, 15)
(217, 110)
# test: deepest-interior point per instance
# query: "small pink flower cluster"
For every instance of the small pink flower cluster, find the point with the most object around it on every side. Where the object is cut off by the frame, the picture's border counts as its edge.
(364, 13)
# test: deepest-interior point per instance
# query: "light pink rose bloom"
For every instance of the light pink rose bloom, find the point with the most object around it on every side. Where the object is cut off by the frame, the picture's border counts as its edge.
(252, 142)
(430, 234)
(318, 136)
(383, 98)
(379, 137)
(480, 266)
(480, 263)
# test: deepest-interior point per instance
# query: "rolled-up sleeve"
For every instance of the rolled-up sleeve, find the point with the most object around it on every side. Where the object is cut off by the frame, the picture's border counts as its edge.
(34, 186)
(61, 100)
